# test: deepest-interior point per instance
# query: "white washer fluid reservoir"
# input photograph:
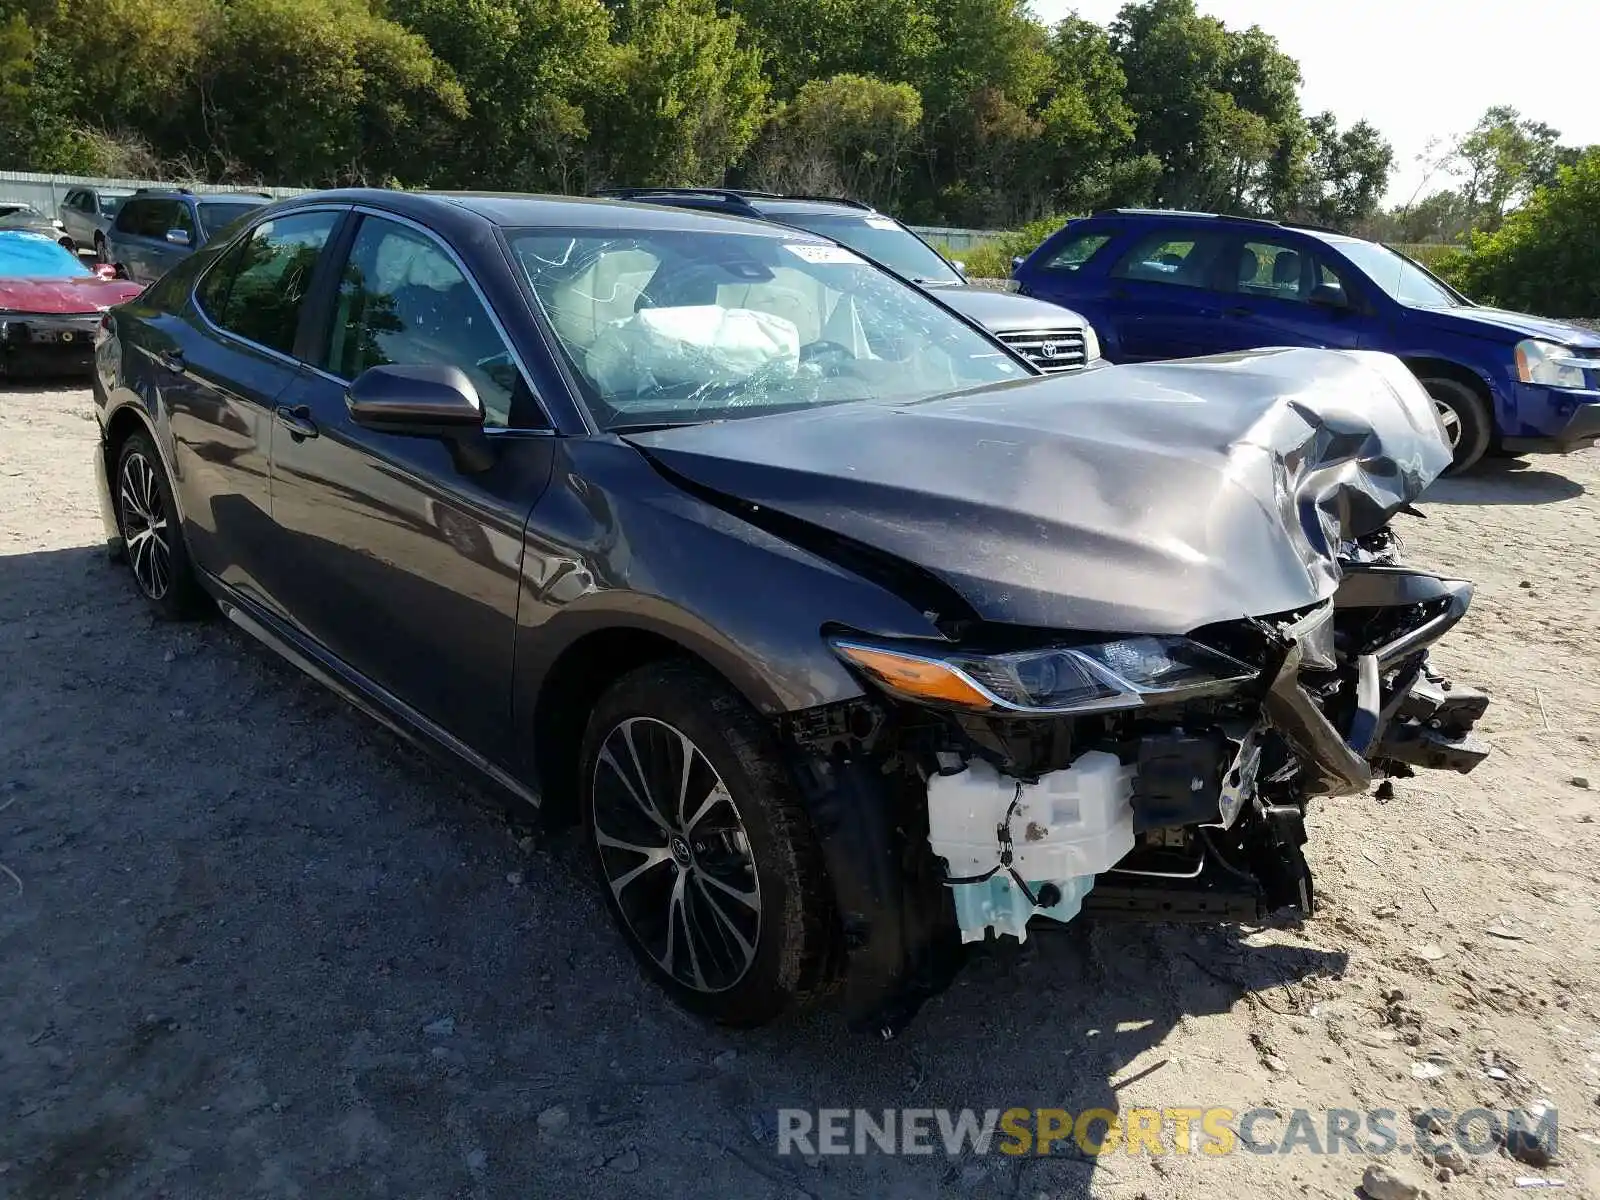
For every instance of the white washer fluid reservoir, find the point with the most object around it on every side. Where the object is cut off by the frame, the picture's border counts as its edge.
(1062, 831)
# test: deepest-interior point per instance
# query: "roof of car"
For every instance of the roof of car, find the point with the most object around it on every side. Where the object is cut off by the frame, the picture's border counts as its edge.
(179, 193)
(1154, 215)
(521, 210)
(737, 200)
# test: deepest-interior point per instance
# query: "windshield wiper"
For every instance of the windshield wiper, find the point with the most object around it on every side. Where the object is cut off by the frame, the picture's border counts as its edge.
(651, 426)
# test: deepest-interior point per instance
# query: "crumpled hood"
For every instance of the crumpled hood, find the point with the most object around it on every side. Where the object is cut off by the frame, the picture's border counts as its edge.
(1153, 498)
(78, 294)
(1500, 324)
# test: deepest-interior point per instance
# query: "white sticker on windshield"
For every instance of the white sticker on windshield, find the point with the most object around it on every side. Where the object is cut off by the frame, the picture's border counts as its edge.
(822, 254)
(882, 223)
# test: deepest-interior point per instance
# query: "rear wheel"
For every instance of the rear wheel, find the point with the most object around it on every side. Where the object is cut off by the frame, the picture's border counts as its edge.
(100, 255)
(702, 850)
(156, 553)
(1466, 421)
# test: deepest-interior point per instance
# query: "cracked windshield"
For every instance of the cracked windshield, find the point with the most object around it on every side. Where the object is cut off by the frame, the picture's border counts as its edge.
(668, 328)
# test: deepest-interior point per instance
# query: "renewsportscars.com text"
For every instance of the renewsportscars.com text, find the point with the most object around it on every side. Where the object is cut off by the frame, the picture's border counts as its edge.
(1179, 1130)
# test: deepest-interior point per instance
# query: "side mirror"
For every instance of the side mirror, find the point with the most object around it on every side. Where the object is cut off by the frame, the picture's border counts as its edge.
(1017, 262)
(421, 399)
(178, 237)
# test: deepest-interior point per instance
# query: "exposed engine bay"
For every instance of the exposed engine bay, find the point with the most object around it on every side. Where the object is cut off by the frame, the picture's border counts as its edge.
(1010, 777)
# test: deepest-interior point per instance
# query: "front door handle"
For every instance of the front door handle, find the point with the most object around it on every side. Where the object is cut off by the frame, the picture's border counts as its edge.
(297, 421)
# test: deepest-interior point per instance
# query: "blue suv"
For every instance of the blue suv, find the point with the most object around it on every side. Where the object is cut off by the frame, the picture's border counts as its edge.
(1159, 284)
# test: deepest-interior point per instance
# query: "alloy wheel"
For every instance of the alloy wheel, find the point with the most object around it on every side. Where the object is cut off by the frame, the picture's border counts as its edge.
(1452, 422)
(676, 855)
(144, 527)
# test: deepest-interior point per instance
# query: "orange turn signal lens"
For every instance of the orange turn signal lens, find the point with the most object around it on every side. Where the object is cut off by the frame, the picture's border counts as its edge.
(920, 678)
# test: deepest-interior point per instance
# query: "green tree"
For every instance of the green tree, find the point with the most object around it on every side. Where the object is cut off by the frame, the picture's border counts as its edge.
(807, 40)
(1218, 108)
(321, 91)
(1545, 257)
(1085, 123)
(1346, 175)
(1502, 159)
(529, 69)
(38, 95)
(848, 135)
(689, 98)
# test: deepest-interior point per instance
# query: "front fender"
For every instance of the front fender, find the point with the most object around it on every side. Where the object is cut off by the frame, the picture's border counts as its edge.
(614, 545)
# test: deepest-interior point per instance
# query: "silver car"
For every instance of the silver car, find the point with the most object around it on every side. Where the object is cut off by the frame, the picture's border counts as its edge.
(87, 212)
(19, 214)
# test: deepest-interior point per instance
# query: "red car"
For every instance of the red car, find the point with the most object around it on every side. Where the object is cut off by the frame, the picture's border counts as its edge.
(50, 306)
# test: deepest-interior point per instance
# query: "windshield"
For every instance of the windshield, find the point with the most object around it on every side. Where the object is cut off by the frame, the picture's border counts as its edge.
(216, 215)
(1401, 278)
(666, 327)
(15, 208)
(31, 256)
(882, 239)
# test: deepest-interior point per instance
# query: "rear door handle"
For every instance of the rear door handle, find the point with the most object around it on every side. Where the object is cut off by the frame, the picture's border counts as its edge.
(173, 361)
(297, 421)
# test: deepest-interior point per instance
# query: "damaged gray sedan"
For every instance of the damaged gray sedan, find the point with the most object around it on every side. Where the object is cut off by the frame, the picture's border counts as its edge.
(847, 638)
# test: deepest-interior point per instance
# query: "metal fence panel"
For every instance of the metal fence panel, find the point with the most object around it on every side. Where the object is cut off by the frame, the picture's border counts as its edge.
(957, 239)
(45, 192)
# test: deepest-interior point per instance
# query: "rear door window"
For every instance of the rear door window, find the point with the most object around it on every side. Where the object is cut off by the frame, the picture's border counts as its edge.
(148, 218)
(257, 289)
(1276, 270)
(1177, 257)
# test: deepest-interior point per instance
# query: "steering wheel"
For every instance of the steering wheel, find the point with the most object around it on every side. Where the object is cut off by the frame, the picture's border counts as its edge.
(812, 351)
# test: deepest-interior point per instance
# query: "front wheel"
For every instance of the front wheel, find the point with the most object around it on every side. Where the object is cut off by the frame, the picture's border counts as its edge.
(100, 255)
(1466, 421)
(702, 850)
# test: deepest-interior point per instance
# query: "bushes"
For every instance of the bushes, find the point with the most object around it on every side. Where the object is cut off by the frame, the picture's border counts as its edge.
(1546, 257)
(992, 260)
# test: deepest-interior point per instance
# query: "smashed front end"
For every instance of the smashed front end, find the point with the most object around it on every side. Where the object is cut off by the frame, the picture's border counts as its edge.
(1013, 774)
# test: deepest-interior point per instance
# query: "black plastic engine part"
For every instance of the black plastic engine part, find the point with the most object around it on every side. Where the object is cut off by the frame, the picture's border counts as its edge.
(1179, 780)
(1274, 844)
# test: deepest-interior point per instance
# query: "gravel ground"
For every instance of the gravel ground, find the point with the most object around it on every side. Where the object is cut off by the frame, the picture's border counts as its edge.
(252, 945)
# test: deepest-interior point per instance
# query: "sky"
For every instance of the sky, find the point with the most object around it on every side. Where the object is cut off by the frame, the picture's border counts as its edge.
(1423, 69)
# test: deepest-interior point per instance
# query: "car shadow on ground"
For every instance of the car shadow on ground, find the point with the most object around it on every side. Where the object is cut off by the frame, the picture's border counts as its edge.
(259, 944)
(1504, 481)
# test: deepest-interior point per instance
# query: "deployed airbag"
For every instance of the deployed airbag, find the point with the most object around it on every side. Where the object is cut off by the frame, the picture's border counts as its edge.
(693, 344)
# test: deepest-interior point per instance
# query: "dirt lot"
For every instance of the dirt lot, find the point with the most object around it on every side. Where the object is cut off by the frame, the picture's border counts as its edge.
(250, 945)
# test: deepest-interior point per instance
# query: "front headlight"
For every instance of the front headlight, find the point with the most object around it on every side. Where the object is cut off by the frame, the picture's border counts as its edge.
(1099, 677)
(1091, 345)
(1549, 364)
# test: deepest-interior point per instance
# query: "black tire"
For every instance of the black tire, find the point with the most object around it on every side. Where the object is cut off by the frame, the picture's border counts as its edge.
(1466, 419)
(100, 255)
(785, 939)
(120, 272)
(158, 558)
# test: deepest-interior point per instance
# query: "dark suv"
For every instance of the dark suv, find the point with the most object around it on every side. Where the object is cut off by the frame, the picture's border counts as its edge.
(157, 229)
(1175, 285)
(1051, 337)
